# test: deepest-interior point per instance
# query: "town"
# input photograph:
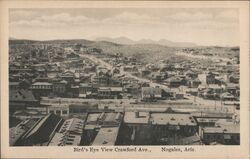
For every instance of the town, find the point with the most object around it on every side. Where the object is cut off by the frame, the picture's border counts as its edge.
(73, 93)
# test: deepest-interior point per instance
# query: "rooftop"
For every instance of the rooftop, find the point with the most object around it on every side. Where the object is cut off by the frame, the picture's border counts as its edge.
(92, 117)
(41, 83)
(65, 139)
(226, 129)
(21, 95)
(106, 136)
(131, 117)
(151, 91)
(19, 130)
(172, 119)
(73, 125)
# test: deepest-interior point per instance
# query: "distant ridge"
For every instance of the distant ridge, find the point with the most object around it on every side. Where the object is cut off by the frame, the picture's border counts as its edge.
(127, 41)
(112, 41)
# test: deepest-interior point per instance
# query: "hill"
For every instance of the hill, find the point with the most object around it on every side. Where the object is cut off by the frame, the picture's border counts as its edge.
(127, 41)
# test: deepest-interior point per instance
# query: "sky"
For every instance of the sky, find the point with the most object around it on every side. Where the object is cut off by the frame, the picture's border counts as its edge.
(207, 26)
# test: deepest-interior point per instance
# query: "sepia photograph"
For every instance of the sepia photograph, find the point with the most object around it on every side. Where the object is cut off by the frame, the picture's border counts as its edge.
(125, 77)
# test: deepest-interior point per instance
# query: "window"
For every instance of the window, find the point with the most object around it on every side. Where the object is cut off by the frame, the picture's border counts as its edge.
(51, 111)
(64, 112)
(58, 112)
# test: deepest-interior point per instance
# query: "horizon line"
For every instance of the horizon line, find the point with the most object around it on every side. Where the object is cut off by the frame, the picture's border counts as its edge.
(13, 38)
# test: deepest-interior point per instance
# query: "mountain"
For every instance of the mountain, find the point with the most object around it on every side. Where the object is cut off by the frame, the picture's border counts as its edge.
(61, 41)
(119, 40)
(127, 41)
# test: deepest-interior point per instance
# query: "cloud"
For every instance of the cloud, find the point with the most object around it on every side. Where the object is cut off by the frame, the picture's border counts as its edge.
(129, 18)
(60, 19)
(186, 16)
(197, 25)
(64, 17)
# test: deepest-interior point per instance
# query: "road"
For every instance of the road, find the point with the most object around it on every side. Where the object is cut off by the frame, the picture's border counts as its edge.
(201, 104)
(127, 74)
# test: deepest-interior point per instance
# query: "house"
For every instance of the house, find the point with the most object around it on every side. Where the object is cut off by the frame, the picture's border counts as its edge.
(227, 97)
(110, 92)
(72, 56)
(191, 74)
(130, 69)
(100, 79)
(157, 76)
(168, 93)
(85, 78)
(21, 99)
(69, 77)
(174, 82)
(194, 83)
(134, 89)
(85, 90)
(211, 91)
(115, 70)
(73, 92)
(151, 94)
(144, 72)
(207, 78)
(232, 88)
(234, 78)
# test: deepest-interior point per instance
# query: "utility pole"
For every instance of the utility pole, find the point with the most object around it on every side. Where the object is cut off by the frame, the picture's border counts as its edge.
(215, 100)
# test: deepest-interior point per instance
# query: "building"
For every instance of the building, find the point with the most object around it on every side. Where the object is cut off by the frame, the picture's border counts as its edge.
(82, 108)
(223, 134)
(168, 128)
(110, 92)
(69, 133)
(106, 136)
(191, 140)
(151, 94)
(69, 77)
(14, 86)
(18, 131)
(174, 82)
(85, 90)
(60, 88)
(97, 121)
(207, 78)
(42, 89)
(227, 97)
(61, 110)
(136, 129)
(43, 131)
(194, 83)
(20, 100)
